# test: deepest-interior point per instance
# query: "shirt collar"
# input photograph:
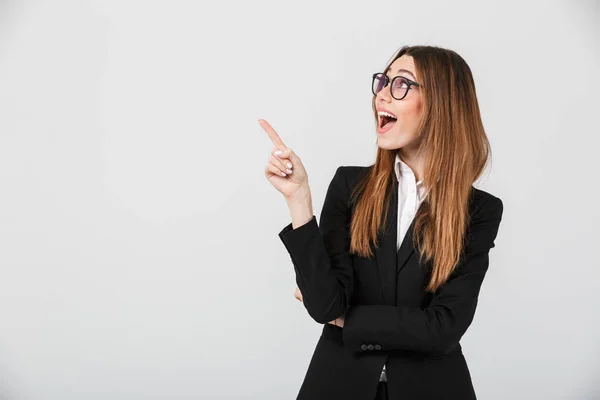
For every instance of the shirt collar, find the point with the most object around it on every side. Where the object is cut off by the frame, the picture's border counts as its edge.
(403, 170)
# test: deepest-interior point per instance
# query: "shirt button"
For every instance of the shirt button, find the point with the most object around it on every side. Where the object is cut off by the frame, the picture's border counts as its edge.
(363, 346)
(370, 347)
(377, 347)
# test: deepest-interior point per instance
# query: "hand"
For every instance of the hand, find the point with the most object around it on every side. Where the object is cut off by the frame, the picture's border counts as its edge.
(290, 183)
(338, 321)
(298, 295)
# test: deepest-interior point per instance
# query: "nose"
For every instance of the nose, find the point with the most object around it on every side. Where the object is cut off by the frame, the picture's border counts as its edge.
(384, 94)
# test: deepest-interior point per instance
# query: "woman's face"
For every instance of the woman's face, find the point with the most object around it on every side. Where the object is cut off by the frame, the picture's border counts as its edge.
(402, 133)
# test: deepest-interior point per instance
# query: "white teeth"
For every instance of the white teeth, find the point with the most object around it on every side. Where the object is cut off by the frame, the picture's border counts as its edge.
(386, 114)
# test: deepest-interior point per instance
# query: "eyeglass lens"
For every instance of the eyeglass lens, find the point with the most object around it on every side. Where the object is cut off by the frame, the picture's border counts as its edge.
(399, 88)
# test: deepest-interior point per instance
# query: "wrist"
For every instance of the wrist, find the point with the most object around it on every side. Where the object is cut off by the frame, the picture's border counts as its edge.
(302, 196)
(300, 205)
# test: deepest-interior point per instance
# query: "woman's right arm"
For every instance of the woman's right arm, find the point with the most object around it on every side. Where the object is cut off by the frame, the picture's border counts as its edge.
(320, 252)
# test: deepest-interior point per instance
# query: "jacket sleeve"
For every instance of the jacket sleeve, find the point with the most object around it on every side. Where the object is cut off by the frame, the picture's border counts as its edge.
(320, 255)
(439, 327)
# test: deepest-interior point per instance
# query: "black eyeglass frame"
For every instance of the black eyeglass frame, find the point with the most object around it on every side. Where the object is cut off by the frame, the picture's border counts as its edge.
(387, 82)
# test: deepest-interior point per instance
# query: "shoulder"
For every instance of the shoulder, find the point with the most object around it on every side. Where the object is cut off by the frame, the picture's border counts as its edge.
(486, 212)
(352, 174)
(482, 202)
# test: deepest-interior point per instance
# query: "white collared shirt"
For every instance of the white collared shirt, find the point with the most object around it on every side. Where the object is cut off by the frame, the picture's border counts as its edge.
(410, 197)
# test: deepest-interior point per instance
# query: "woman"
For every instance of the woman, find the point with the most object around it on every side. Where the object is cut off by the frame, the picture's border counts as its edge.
(394, 267)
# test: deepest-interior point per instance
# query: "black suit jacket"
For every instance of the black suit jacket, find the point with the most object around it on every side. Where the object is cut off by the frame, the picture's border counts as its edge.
(388, 316)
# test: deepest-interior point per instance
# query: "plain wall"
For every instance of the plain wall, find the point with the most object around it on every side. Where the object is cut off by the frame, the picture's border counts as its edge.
(139, 255)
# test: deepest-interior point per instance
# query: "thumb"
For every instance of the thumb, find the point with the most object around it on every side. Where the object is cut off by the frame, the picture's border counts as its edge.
(289, 154)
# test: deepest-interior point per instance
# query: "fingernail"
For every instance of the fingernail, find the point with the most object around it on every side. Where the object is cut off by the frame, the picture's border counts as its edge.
(278, 152)
(289, 165)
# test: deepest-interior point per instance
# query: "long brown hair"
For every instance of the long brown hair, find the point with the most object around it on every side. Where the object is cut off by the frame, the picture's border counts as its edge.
(456, 151)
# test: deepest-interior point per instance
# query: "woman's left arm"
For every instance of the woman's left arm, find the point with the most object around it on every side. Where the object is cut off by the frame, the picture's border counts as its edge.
(440, 326)
(339, 321)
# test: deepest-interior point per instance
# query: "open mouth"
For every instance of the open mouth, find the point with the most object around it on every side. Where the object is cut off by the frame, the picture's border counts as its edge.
(385, 120)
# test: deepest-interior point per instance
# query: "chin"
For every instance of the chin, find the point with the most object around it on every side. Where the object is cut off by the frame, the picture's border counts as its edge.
(389, 141)
(397, 140)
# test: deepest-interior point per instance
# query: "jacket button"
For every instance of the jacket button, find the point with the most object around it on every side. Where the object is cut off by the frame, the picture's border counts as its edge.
(370, 347)
(363, 346)
(377, 347)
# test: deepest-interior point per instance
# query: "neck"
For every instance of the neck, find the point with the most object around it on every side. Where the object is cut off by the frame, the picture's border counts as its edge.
(414, 161)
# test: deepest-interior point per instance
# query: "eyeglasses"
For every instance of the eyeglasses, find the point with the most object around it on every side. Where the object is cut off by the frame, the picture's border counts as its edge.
(398, 88)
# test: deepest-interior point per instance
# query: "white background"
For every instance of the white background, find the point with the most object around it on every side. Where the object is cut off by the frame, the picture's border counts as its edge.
(139, 256)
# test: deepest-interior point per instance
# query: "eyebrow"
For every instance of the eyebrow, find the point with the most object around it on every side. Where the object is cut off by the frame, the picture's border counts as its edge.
(407, 71)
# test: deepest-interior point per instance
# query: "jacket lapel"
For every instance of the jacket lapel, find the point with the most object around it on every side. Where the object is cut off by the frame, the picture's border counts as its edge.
(386, 252)
(391, 260)
(406, 248)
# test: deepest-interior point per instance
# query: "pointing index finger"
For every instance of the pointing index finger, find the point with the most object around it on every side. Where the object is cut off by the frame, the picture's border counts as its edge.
(272, 134)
